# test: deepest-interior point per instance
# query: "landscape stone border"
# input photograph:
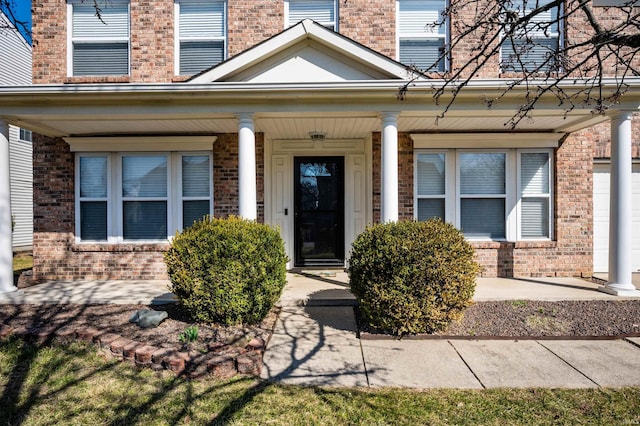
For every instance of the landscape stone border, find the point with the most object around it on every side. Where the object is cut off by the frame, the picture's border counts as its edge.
(221, 361)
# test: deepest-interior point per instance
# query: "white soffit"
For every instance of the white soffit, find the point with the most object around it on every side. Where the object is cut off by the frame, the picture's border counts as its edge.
(305, 47)
(493, 140)
(141, 143)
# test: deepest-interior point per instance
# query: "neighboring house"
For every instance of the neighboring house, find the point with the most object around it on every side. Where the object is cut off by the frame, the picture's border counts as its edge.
(15, 70)
(286, 111)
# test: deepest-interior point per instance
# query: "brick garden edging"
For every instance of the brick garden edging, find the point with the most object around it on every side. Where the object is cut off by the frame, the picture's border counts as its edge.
(221, 361)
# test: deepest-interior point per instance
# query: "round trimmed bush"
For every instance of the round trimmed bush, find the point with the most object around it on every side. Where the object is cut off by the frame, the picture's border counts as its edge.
(412, 277)
(227, 271)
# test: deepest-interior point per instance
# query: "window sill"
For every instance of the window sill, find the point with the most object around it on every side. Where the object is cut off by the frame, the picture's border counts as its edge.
(120, 247)
(98, 79)
(532, 244)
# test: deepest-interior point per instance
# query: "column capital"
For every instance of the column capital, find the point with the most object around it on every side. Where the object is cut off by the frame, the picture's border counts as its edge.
(621, 114)
(389, 116)
(244, 117)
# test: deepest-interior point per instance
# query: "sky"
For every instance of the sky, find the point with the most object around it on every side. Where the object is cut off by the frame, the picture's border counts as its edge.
(22, 11)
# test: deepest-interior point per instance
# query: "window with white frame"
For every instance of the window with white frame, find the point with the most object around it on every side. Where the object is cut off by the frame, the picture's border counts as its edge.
(98, 45)
(26, 135)
(140, 196)
(422, 33)
(532, 47)
(201, 28)
(490, 194)
(324, 12)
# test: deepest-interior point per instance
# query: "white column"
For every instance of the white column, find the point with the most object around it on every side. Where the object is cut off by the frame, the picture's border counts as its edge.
(389, 168)
(6, 250)
(247, 196)
(620, 269)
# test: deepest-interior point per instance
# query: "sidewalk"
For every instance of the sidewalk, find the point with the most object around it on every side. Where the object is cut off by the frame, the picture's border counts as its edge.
(318, 345)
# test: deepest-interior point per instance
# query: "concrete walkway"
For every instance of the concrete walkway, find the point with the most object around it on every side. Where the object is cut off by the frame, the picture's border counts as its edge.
(315, 341)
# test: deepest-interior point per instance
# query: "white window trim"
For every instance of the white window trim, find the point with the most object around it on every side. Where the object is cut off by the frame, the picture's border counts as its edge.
(422, 36)
(79, 199)
(539, 35)
(512, 189)
(25, 135)
(115, 199)
(71, 40)
(176, 31)
(335, 16)
(548, 196)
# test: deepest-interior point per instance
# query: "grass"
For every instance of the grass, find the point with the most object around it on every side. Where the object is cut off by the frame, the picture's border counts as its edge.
(21, 263)
(73, 384)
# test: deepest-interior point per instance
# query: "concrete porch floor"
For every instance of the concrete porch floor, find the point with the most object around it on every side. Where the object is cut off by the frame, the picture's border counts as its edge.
(304, 288)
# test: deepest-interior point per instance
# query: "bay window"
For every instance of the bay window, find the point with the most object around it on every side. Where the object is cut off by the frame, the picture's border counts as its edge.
(488, 194)
(140, 196)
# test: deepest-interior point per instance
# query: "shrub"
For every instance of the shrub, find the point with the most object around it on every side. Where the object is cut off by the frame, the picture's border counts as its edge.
(227, 271)
(412, 277)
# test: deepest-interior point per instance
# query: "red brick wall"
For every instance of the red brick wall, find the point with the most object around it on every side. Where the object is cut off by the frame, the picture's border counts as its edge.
(252, 21)
(405, 176)
(371, 23)
(58, 257)
(570, 254)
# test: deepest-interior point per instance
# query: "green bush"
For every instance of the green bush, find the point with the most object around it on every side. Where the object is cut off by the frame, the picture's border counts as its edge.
(412, 277)
(227, 271)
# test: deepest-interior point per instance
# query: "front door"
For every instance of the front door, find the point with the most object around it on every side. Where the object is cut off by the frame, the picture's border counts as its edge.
(319, 211)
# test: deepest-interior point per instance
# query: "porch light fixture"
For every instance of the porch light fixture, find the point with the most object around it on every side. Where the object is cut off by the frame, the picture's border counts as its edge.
(317, 135)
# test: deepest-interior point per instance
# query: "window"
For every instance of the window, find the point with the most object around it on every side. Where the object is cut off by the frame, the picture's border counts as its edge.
(140, 197)
(421, 33)
(489, 195)
(201, 30)
(98, 46)
(534, 47)
(26, 135)
(323, 12)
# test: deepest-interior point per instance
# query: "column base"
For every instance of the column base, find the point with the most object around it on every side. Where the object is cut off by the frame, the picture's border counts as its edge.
(618, 290)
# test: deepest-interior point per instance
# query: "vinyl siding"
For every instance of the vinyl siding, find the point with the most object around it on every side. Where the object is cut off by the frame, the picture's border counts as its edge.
(15, 69)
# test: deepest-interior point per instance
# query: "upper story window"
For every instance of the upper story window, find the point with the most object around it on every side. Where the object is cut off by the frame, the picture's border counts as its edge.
(201, 35)
(532, 47)
(98, 45)
(422, 33)
(26, 135)
(324, 12)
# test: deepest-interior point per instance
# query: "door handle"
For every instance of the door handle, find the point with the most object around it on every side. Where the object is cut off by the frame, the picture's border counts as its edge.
(286, 212)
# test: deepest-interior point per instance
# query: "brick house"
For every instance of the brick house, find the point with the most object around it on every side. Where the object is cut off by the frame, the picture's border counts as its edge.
(286, 111)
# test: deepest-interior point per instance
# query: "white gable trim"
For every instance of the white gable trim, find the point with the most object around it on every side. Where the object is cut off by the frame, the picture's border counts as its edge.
(306, 29)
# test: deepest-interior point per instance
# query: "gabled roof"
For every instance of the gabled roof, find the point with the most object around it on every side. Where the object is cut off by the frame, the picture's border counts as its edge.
(306, 52)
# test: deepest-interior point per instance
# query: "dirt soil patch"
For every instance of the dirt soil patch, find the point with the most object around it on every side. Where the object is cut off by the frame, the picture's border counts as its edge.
(112, 318)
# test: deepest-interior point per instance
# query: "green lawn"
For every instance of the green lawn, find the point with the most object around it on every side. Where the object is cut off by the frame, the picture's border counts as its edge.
(21, 263)
(75, 385)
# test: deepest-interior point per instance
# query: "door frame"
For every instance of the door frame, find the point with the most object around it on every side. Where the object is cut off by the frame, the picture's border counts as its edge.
(278, 198)
(298, 261)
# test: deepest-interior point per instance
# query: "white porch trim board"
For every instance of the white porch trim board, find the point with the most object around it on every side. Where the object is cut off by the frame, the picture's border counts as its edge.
(6, 250)
(247, 192)
(620, 270)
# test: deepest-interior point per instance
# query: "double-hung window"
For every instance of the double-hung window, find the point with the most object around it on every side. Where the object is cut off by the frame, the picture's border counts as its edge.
(422, 34)
(26, 135)
(532, 47)
(140, 196)
(489, 194)
(98, 45)
(323, 12)
(201, 27)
